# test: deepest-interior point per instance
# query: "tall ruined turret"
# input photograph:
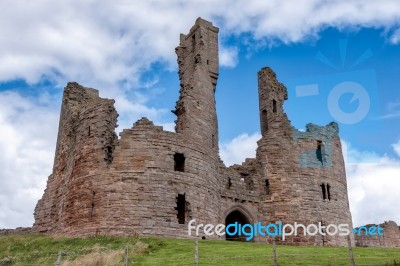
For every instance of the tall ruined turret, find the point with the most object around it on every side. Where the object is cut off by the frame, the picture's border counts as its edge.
(85, 144)
(198, 73)
(304, 170)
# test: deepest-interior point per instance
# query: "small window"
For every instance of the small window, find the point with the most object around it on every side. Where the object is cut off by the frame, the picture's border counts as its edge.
(328, 190)
(319, 151)
(109, 154)
(179, 162)
(247, 180)
(213, 140)
(229, 183)
(323, 191)
(193, 41)
(267, 186)
(181, 208)
(264, 121)
(274, 106)
(92, 209)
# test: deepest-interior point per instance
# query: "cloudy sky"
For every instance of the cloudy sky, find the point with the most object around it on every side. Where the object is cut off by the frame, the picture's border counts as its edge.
(339, 60)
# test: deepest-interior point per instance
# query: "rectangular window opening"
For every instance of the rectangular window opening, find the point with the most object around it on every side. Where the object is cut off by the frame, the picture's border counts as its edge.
(328, 189)
(179, 162)
(264, 121)
(319, 151)
(92, 209)
(267, 186)
(323, 191)
(109, 154)
(193, 41)
(274, 106)
(181, 208)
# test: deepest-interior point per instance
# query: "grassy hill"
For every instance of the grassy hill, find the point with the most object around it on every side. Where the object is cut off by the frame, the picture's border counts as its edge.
(45, 250)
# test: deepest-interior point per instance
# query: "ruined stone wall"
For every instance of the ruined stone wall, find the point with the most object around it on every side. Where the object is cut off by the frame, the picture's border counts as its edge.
(137, 193)
(152, 182)
(85, 143)
(296, 164)
(390, 238)
(100, 185)
(16, 231)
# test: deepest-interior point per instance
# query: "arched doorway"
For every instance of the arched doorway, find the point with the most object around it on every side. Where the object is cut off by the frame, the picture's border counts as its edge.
(240, 218)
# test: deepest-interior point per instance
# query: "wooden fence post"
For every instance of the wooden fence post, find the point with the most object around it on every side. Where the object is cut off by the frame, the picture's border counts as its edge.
(196, 253)
(58, 262)
(126, 256)
(353, 263)
(274, 252)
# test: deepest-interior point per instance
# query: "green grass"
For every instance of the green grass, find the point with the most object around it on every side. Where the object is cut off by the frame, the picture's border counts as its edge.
(43, 250)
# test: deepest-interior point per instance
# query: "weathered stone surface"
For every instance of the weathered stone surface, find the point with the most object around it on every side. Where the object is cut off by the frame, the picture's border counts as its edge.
(152, 182)
(16, 231)
(390, 238)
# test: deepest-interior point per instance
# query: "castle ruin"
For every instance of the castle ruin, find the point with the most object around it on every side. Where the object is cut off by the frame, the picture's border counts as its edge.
(151, 182)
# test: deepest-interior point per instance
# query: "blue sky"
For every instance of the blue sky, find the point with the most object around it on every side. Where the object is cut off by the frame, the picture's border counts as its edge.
(376, 68)
(326, 45)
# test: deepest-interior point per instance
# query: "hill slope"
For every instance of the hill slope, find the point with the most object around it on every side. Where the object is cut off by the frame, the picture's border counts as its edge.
(46, 250)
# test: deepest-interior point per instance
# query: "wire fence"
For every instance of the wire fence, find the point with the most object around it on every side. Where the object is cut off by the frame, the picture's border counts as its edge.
(201, 253)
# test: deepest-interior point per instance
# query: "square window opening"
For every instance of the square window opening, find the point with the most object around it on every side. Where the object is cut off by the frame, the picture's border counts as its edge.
(179, 162)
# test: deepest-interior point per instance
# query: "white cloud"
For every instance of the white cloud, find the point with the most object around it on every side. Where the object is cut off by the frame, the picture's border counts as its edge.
(106, 42)
(392, 110)
(28, 136)
(228, 56)
(395, 38)
(238, 149)
(373, 188)
(396, 148)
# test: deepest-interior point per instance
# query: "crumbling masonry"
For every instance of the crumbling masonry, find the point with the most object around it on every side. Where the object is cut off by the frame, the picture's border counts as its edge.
(152, 182)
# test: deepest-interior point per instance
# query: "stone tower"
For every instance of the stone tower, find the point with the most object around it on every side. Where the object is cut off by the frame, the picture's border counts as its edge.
(304, 170)
(85, 144)
(198, 74)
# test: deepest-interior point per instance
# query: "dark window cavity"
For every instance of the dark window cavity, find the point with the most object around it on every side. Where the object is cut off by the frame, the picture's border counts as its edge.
(109, 154)
(323, 191)
(181, 208)
(328, 190)
(267, 186)
(247, 180)
(229, 183)
(274, 106)
(92, 209)
(193, 42)
(179, 162)
(264, 121)
(319, 151)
